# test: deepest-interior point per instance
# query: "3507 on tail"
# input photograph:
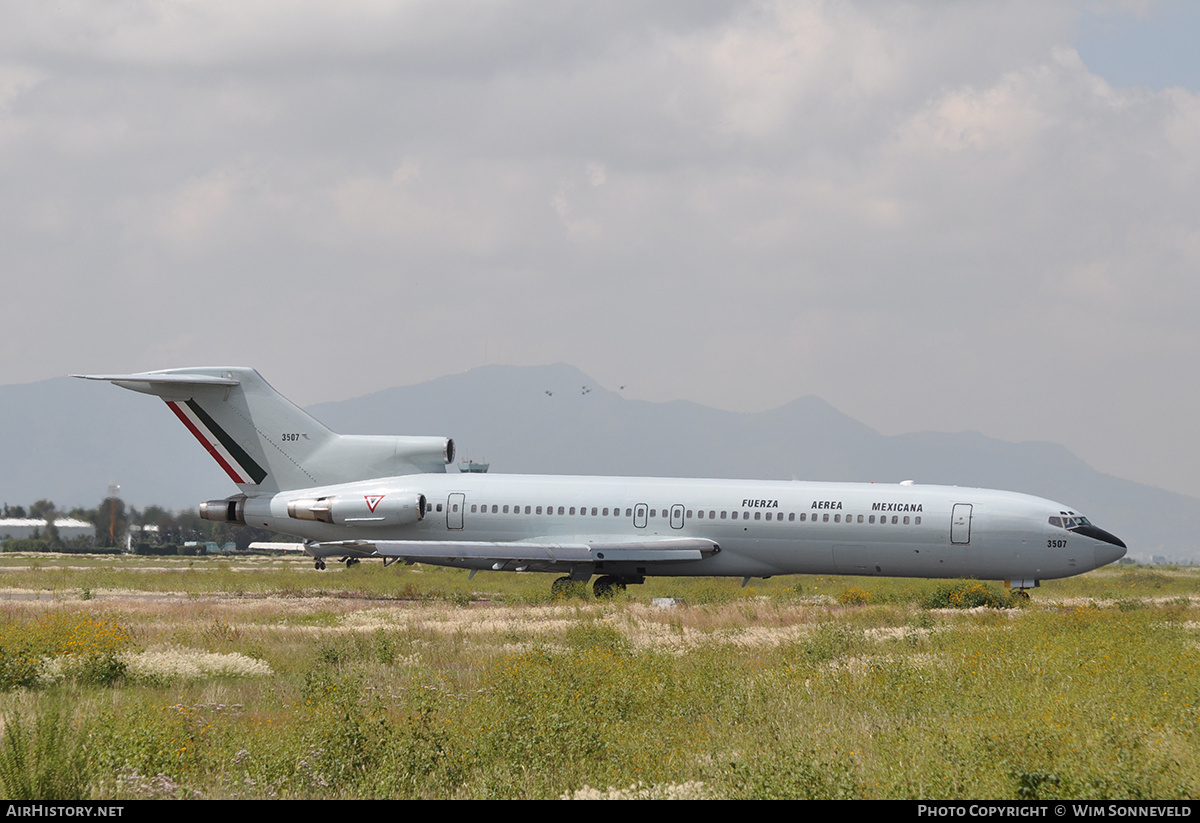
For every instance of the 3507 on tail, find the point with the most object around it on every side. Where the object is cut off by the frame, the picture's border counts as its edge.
(355, 496)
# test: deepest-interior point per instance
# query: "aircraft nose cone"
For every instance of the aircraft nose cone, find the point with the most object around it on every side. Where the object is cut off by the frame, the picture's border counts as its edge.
(1112, 548)
(1109, 554)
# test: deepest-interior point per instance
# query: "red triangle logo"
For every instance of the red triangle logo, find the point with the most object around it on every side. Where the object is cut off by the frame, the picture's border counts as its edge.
(373, 500)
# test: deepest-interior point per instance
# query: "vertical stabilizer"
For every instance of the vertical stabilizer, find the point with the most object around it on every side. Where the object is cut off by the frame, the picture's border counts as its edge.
(265, 443)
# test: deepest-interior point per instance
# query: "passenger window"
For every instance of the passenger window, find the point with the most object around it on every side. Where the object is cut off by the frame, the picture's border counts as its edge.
(473, 507)
(561, 510)
(837, 518)
(791, 517)
(916, 521)
(722, 515)
(758, 515)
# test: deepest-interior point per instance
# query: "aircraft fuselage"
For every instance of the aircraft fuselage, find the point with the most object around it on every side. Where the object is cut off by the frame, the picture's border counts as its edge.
(355, 496)
(762, 528)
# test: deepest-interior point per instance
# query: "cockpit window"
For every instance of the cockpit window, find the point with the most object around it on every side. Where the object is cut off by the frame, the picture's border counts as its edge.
(1070, 520)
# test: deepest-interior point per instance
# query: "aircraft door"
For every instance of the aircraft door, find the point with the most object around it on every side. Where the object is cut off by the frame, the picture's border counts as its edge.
(640, 512)
(454, 511)
(960, 524)
(677, 517)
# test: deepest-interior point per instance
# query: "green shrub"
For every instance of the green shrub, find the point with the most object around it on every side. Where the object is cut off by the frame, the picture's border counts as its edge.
(967, 594)
(791, 775)
(854, 596)
(62, 645)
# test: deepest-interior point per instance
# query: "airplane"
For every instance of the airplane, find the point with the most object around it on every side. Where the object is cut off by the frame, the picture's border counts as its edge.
(353, 497)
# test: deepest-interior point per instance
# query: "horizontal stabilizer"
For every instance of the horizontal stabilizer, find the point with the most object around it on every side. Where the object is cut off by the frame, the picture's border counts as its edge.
(159, 378)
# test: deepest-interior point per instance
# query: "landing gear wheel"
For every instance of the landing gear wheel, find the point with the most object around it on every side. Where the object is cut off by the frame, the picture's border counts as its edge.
(319, 565)
(608, 586)
(560, 587)
(1023, 594)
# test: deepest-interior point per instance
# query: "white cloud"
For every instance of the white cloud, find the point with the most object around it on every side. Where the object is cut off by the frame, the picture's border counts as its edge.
(748, 201)
(197, 209)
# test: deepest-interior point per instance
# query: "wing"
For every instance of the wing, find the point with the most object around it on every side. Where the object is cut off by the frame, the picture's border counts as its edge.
(538, 555)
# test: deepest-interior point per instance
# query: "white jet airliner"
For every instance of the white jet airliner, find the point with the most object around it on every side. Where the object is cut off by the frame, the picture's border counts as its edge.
(356, 496)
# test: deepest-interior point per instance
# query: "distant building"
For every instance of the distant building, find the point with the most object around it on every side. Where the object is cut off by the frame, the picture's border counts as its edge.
(146, 534)
(68, 527)
(212, 548)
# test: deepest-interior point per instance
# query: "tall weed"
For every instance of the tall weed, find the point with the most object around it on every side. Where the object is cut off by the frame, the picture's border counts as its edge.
(45, 759)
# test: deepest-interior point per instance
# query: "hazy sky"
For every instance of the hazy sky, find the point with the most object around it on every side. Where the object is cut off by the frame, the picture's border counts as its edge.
(934, 215)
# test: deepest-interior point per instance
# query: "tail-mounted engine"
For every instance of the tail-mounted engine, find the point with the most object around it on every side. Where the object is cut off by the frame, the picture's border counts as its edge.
(229, 510)
(391, 509)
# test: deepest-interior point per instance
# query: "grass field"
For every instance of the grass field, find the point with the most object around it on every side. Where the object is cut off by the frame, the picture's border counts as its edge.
(195, 677)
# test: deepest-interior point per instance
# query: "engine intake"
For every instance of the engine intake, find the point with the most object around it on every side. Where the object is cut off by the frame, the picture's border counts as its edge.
(390, 509)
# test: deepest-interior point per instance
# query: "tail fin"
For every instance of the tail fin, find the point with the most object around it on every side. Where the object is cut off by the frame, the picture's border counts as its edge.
(267, 444)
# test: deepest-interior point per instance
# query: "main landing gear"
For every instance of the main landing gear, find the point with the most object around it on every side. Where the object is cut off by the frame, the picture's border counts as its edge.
(604, 587)
(349, 561)
(608, 586)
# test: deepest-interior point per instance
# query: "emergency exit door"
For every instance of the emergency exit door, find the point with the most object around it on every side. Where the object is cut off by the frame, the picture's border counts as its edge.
(960, 524)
